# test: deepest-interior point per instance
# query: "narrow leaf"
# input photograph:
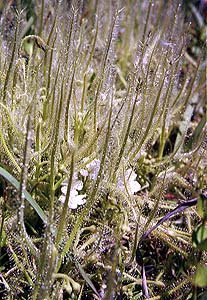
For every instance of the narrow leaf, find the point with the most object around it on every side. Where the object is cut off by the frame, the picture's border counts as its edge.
(28, 197)
(87, 279)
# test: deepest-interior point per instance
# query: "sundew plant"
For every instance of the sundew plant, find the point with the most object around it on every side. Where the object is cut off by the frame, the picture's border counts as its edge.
(103, 146)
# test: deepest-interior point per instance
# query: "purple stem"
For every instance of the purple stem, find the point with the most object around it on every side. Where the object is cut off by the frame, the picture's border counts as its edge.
(139, 259)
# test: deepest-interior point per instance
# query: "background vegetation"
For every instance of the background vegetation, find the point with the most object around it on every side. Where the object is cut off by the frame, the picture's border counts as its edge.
(103, 148)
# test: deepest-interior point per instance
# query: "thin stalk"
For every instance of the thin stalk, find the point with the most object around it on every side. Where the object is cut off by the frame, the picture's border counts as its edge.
(180, 93)
(50, 67)
(147, 21)
(38, 150)
(53, 153)
(71, 30)
(20, 266)
(14, 130)
(47, 260)
(65, 206)
(121, 107)
(191, 86)
(90, 144)
(154, 210)
(3, 217)
(103, 66)
(66, 125)
(54, 91)
(92, 197)
(164, 134)
(48, 43)
(93, 48)
(22, 190)
(143, 104)
(95, 104)
(9, 153)
(83, 92)
(41, 18)
(121, 152)
(150, 121)
(11, 64)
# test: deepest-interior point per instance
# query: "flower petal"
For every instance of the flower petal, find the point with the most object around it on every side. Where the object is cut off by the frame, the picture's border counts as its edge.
(134, 186)
(62, 199)
(84, 172)
(64, 189)
(93, 168)
(78, 185)
(77, 200)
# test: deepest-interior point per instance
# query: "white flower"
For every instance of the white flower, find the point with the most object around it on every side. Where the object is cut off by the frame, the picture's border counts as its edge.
(75, 199)
(84, 172)
(128, 183)
(91, 169)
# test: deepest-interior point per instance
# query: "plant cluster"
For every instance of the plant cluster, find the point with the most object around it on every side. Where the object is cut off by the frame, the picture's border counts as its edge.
(103, 148)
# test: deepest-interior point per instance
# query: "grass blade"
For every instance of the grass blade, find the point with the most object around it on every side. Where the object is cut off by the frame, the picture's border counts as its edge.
(28, 197)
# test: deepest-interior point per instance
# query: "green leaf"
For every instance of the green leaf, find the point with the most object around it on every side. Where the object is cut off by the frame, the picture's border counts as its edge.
(203, 245)
(28, 197)
(199, 237)
(197, 132)
(87, 279)
(201, 276)
(202, 207)
(201, 233)
(2, 239)
(28, 47)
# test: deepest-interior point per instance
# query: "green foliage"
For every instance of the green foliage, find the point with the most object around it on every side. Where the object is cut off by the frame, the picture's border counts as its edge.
(102, 133)
(201, 276)
(28, 197)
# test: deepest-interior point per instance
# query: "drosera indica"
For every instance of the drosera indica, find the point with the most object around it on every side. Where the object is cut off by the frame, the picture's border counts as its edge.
(102, 86)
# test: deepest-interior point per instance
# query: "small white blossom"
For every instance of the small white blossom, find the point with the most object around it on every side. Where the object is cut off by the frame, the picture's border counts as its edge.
(91, 169)
(75, 199)
(129, 183)
(84, 172)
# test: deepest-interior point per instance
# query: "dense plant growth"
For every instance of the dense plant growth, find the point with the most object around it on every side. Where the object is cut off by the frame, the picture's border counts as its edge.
(103, 151)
